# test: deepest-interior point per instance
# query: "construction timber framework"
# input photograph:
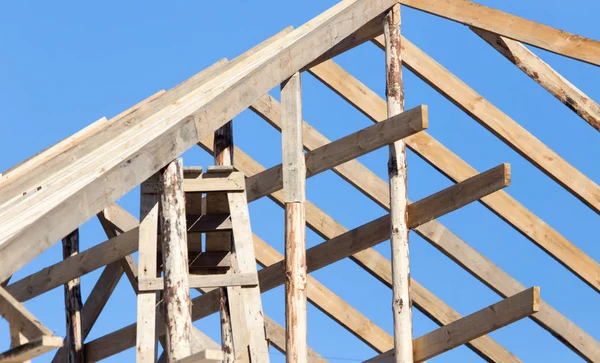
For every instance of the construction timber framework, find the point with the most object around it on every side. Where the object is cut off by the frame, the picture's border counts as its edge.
(47, 197)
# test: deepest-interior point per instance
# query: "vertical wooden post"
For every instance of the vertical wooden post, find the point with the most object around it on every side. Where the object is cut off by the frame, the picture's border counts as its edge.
(294, 179)
(146, 346)
(177, 303)
(221, 241)
(401, 302)
(16, 339)
(73, 305)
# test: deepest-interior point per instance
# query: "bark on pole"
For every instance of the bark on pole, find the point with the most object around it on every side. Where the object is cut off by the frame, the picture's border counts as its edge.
(294, 179)
(73, 305)
(401, 302)
(177, 304)
(223, 149)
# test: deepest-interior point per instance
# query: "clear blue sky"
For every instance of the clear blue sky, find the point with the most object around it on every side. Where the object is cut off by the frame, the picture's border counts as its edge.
(64, 65)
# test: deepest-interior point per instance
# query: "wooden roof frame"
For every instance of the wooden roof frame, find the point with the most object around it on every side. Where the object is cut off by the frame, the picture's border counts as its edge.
(49, 195)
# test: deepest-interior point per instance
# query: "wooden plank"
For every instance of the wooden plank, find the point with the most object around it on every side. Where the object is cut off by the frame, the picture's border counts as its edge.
(146, 347)
(206, 183)
(31, 349)
(76, 266)
(245, 263)
(376, 189)
(123, 160)
(545, 76)
(343, 150)
(73, 305)
(17, 339)
(20, 318)
(514, 27)
(294, 195)
(511, 211)
(208, 223)
(202, 281)
(501, 125)
(176, 298)
(495, 278)
(397, 174)
(205, 261)
(205, 356)
(276, 335)
(472, 326)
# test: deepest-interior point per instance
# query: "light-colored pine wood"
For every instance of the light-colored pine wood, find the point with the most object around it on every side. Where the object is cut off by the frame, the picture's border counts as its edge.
(76, 266)
(73, 305)
(205, 356)
(545, 76)
(17, 339)
(19, 318)
(376, 189)
(245, 263)
(206, 183)
(294, 195)
(202, 281)
(31, 349)
(119, 160)
(444, 160)
(470, 327)
(176, 298)
(500, 124)
(342, 150)
(397, 174)
(146, 347)
(511, 26)
(276, 335)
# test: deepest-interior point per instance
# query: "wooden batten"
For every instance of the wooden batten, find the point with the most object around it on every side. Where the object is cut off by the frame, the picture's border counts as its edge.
(294, 195)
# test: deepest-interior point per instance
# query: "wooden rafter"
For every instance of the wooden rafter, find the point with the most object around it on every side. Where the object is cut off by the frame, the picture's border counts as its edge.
(35, 222)
(500, 124)
(545, 76)
(514, 27)
(507, 208)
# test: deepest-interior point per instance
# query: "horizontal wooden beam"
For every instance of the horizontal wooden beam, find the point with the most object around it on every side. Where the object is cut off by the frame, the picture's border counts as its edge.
(205, 356)
(201, 281)
(373, 262)
(205, 183)
(456, 169)
(471, 326)
(347, 148)
(85, 262)
(452, 198)
(512, 26)
(20, 318)
(31, 349)
(208, 223)
(112, 163)
(545, 76)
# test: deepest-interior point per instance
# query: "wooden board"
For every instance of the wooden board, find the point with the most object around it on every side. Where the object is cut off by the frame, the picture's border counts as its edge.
(20, 318)
(202, 281)
(31, 349)
(472, 326)
(511, 26)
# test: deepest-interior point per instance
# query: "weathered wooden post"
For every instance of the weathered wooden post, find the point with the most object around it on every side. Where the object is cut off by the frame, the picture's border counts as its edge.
(294, 179)
(177, 304)
(73, 305)
(221, 241)
(401, 302)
